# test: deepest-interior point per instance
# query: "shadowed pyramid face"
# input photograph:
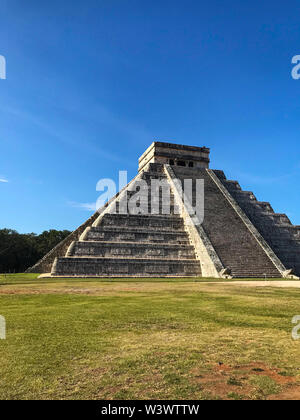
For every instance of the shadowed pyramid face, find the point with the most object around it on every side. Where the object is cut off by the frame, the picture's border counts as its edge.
(158, 226)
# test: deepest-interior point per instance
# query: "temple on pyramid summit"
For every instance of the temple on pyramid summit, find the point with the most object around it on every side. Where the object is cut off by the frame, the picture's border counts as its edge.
(239, 236)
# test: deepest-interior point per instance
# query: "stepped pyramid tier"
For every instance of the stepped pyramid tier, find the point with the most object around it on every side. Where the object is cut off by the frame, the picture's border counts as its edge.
(149, 230)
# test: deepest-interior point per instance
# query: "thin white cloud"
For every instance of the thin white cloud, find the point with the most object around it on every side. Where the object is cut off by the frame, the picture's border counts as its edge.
(84, 206)
(3, 180)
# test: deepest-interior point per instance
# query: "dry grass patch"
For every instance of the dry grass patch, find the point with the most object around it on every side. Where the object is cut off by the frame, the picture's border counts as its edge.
(118, 340)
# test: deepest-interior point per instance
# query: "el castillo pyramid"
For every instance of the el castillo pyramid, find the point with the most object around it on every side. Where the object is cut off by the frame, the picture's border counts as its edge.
(238, 237)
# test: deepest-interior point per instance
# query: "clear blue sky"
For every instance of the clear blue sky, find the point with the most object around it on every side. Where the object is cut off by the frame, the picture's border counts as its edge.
(90, 84)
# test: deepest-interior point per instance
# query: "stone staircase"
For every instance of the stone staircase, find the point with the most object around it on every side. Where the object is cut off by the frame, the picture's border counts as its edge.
(133, 245)
(235, 245)
(276, 228)
(239, 236)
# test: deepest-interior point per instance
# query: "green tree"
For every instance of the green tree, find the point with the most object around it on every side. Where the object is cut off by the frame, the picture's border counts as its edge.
(20, 251)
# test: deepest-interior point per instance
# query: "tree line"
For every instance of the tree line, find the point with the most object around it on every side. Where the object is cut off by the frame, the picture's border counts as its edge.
(19, 251)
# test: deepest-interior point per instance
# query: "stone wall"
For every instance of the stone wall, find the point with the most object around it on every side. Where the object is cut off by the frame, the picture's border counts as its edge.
(233, 242)
(168, 153)
(276, 228)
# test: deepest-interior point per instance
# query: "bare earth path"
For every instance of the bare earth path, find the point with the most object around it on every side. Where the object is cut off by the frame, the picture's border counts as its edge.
(260, 283)
(106, 287)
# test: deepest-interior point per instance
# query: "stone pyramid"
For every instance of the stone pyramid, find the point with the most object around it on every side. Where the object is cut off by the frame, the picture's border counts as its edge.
(238, 237)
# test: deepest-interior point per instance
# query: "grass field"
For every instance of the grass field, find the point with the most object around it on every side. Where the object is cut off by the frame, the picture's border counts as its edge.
(115, 339)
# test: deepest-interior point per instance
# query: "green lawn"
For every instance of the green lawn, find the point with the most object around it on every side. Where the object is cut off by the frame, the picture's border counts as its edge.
(146, 339)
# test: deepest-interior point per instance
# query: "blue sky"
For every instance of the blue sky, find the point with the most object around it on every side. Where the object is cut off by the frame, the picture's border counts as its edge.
(91, 84)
